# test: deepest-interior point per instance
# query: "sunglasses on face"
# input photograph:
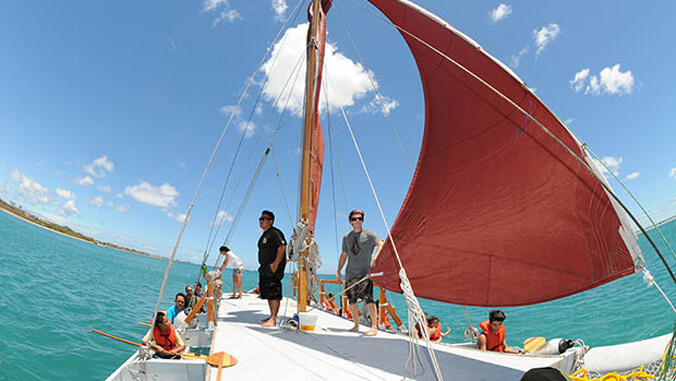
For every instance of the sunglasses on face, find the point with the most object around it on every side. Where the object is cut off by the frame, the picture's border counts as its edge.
(357, 219)
(265, 219)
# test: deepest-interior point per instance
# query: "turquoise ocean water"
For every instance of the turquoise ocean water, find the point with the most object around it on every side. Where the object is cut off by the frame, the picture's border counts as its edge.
(56, 289)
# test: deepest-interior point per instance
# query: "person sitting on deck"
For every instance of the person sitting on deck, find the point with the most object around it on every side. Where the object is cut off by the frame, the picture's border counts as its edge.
(168, 343)
(331, 304)
(434, 328)
(192, 301)
(174, 310)
(492, 337)
(188, 295)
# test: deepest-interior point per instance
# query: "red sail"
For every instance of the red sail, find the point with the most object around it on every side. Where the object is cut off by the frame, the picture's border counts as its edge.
(498, 213)
(317, 144)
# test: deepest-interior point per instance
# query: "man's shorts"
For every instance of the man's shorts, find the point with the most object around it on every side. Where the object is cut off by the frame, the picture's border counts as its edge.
(238, 271)
(270, 286)
(363, 291)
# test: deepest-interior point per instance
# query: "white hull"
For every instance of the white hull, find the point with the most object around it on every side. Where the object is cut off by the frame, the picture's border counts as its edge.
(332, 353)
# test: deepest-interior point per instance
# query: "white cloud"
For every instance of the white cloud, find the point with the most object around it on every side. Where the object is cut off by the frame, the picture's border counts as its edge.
(162, 196)
(119, 195)
(221, 217)
(545, 36)
(579, 80)
(227, 15)
(348, 81)
(633, 175)
(31, 191)
(68, 195)
(611, 80)
(99, 166)
(176, 217)
(568, 121)
(69, 208)
(279, 7)
(85, 181)
(210, 5)
(4, 188)
(105, 188)
(122, 208)
(229, 109)
(672, 174)
(382, 104)
(181, 164)
(515, 59)
(248, 128)
(613, 163)
(40, 164)
(500, 13)
(97, 201)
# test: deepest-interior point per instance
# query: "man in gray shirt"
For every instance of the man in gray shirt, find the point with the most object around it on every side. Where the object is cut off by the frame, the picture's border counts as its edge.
(358, 246)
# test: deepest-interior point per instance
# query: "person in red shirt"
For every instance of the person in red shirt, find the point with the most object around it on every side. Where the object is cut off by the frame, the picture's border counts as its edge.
(492, 337)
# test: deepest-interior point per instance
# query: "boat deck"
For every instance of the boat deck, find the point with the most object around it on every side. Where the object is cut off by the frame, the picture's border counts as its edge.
(332, 353)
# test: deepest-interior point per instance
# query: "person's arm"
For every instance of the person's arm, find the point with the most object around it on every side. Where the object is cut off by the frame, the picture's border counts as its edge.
(149, 337)
(180, 345)
(448, 330)
(509, 349)
(281, 250)
(341, 263)
(481, 342)
(380, 245)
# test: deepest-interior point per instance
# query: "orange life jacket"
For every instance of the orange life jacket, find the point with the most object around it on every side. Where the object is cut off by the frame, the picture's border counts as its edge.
(494, 341)
(166, 340)
(436, 334)
(330, 305)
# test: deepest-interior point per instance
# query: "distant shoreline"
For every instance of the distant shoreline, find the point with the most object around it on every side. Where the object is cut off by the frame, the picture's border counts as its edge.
(66, 231)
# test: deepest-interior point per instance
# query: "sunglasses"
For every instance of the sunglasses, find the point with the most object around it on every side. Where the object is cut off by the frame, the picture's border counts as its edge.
(357, 219)
(265, 219)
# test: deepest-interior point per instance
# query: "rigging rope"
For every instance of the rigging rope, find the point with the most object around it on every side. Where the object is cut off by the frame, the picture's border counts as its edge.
(654, 225)
(219, 223)
(333, 184)
(527, 115)
(415, 312)
(379, 96)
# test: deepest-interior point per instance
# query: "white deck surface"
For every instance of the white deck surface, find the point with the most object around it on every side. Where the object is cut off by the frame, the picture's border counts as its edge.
(333, 353)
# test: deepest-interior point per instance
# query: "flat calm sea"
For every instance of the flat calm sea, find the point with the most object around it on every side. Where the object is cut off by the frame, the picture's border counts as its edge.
(55, 289)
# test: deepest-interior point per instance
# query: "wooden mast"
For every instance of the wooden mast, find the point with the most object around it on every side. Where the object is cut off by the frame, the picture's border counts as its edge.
(307, 148)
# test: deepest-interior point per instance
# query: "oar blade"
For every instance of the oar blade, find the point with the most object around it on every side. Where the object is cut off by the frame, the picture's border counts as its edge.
(222, 359)
(533, 343)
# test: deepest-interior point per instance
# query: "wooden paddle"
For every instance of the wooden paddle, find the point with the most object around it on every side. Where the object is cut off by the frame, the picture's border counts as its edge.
(534, 343)
(220, 359)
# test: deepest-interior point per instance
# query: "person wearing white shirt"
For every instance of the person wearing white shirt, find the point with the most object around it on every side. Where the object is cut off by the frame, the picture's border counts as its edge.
(237, 270)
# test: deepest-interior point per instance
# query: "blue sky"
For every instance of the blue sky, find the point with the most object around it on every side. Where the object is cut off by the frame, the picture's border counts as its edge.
(109, 110)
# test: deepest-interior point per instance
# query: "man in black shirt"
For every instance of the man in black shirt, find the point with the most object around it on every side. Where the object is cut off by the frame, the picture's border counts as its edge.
(272, 260)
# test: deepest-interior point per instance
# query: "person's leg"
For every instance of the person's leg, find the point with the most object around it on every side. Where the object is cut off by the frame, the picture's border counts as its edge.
(373, 315)
(274, 309)
(239, 284)
(354, 310)
(234, 285)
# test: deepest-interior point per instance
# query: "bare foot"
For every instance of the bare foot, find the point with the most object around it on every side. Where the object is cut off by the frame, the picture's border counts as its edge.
(239, 297)
(354, 329)
(371, 332)
(270, 323)
(266, 319)
(233, 297)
